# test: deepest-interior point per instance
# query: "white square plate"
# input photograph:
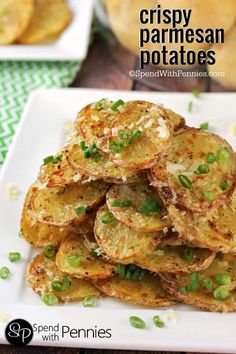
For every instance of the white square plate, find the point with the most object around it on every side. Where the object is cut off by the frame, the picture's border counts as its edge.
(40, 134)
(71, 45)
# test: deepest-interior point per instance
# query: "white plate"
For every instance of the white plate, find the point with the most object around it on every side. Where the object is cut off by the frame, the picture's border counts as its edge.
(71, 45)
(40, 134)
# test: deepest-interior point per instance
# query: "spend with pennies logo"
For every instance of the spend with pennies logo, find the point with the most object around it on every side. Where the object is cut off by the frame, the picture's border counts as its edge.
(19, 332)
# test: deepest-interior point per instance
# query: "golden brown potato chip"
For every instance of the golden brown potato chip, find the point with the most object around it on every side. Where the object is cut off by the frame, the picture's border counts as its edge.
(69, 205)
(176, 260)
(118, 241)
(140, 133)
(90, 267)
(50, 18)
(138, 206)
(214, 229)
(177, 120)
(212, 289)
(15, 16)
(42, 271)
(197, 172)
(146, 292)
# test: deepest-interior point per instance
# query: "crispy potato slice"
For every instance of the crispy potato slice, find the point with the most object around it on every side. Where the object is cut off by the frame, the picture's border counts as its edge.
(154, 127)
(90, 267)
(42, 271)
(202, 297)
(148, 220)
(215, 229)
(50, 18)
(146, 292)
(177, 120)
(121, 243)
(102, 169)
(57, 206)
(14, 19)
(171, 238)
(59, 172)
(177, 176)
(174, 260)
(93, 122)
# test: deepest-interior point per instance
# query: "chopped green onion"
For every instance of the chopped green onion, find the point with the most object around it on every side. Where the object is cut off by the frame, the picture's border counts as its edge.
(90, 301)
(190, 107)
(221, 293)
(74, 260)
(150, 207)
(61, 285)
(158, 322)
(125, 135)
(131, 272)
(207, 283)
(223, 279)
(82, 145)
(116, 105)
(204, 126)
(196, 93)
(209, 196)
(90, 151)
(48, 160)
(4, 273)
(100, 104)
(108, 218)
(49, 251)
(135, 136)
(223, 155)
(185, 181)
(121, 270)
(50, 299)
(211, 158)
(193, 286)
(80, 211)
(137, 322)
(122, 203)
(95, 251)
(183, 290)
(224, 185)
(202, 169)
(188, 254)
(116, 147)
(14, 256)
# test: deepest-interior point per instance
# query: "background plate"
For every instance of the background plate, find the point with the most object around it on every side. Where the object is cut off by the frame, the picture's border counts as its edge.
(71, 45)
(41, 134)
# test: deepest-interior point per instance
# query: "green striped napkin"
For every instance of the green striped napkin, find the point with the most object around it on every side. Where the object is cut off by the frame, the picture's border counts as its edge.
(17, 80)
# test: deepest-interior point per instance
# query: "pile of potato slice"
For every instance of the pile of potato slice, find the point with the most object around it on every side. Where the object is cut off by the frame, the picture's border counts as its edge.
(137, 206)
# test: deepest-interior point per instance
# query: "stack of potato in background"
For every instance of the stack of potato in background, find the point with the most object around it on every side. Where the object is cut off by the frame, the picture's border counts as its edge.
(33, 21)
(136, 206)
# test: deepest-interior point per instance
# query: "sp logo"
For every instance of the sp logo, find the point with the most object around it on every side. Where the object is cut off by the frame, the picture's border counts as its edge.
(19, 332)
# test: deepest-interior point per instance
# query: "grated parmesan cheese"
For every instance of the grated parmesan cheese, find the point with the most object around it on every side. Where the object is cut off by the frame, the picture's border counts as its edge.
(171, 316)
(107, 131)
(12, 191)
(149, 123)
(165, 230)
(94, 118)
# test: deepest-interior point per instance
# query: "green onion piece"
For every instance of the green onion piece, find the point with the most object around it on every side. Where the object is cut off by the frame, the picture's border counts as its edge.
(58, 158)
(116, 105)
(50, 299)
(100, 104)
(183, 290)
(80, 211)
(48, 160)
(150, 207)
(211, 158)
(190, 107)
(188, 254)
(221, 293)
(82, 145)
(223, 279)
(193, 286)
(209, 196)
(224, 185)
(108, 218)
(137, 322)
(122, 203)
(202, 169)
(158, 322)
(90, 301)
(4, 273)
(125, 135)
(185, 181)
(66, 282)
(14, 256)
(135, 136)
(74, 260)
(196, 93)
(61, 285)
(204, 126)
(121, 270)
(207, 283)
(116, 147)
(49, 251)
(223, 155)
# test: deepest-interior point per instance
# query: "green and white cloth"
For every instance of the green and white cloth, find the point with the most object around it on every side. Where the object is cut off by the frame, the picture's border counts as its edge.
(17, 81)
